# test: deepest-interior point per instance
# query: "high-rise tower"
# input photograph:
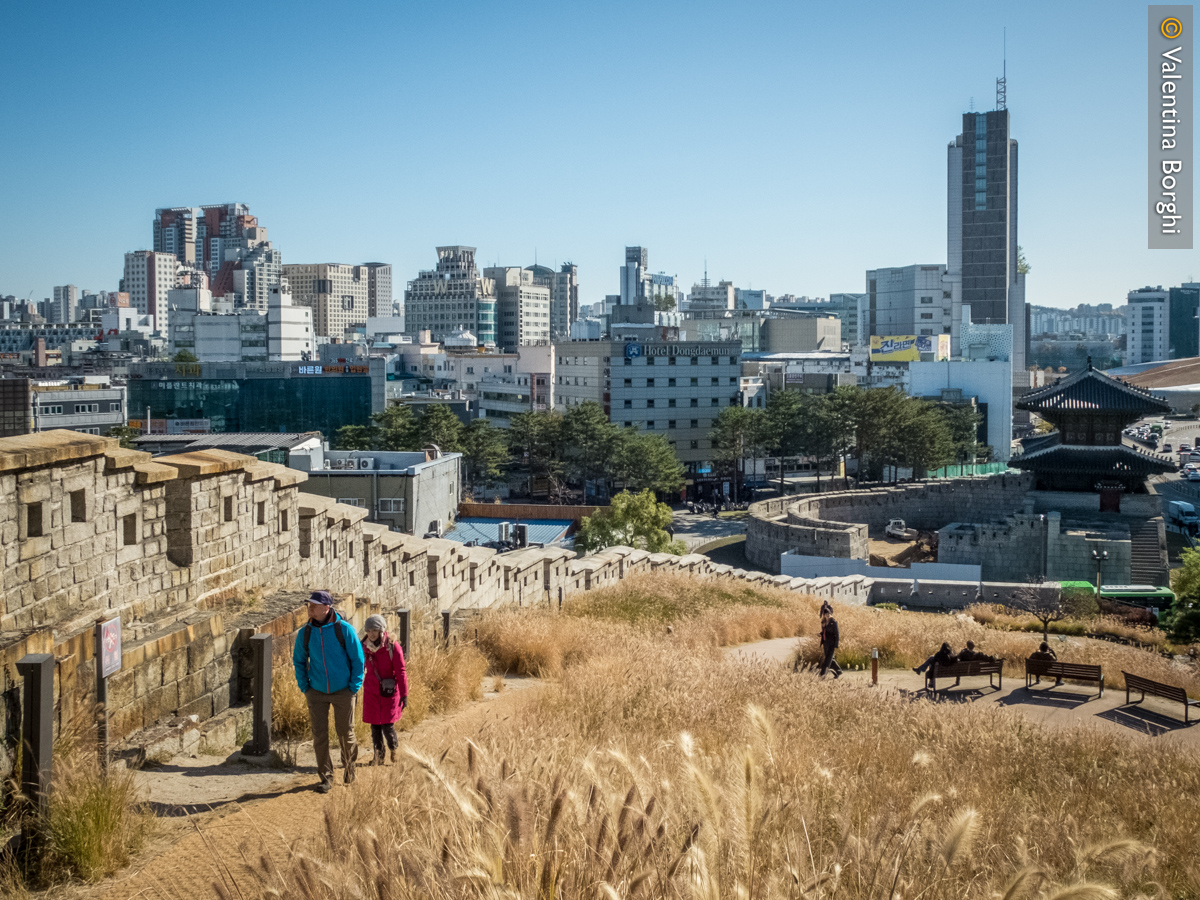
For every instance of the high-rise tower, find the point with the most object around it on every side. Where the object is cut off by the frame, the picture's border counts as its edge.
(982, 224)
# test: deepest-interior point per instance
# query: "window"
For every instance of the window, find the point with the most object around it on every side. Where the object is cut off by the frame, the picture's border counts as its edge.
(114, 406)
(649, 382)
(52, 410)
(391, 505)
(352, 501)
(926, 299)
(650, 403)
(629, 404)
(283, 520)
(716, 381)
(628, 382)
(650, 424)
(926, 315)
(670, 361)
(695, 382)
(671, 381)
(78, 506)
(412, 578)
(228, 509)
(716, 402)
(671, 401)
(695, 423)
(628, 424)
(321, 549)
(695, 360)
(695, 445)
(628, 361)
(33, 520)
(733, 379)
(671, 423)
(129, 530)
(695, 402)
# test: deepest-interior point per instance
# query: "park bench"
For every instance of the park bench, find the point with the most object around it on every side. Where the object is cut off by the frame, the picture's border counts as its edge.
(1146, 686)
(966, 670)
(1049, 668)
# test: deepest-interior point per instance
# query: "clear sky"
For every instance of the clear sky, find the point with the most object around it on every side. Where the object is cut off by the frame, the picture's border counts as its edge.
(794, 144)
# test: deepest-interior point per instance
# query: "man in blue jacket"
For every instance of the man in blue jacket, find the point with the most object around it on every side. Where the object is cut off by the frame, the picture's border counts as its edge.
(329, 665)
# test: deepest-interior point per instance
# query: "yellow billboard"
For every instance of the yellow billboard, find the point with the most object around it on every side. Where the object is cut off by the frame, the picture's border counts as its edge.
(896, 348)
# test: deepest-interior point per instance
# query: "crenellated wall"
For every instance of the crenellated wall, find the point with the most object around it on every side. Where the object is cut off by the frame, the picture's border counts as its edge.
(838, 523)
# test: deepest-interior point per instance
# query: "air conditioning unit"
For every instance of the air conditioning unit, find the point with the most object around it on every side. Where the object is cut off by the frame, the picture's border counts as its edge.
(365, 462)
(326, 465)
(505, 531)
(438, 527)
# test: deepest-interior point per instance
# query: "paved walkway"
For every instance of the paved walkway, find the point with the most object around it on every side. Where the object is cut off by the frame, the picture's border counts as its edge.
(1062, 707)
(696, 530)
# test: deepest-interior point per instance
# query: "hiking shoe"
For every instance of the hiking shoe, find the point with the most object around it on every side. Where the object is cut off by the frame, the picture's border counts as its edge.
(916, 670)
(324, 787)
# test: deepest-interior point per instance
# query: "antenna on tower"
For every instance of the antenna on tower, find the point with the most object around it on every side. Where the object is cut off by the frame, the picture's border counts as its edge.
(1002, 81)
(971, 105)
(704, 283)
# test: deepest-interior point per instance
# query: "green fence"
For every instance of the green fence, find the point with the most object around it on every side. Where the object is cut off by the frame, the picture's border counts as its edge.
(993, 468)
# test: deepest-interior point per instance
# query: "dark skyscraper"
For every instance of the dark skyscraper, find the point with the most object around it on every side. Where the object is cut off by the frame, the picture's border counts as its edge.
(982, 224)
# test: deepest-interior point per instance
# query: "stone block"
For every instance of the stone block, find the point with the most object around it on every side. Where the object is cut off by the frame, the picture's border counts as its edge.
(202, 708)
(191, 687)
(160, 703)
(222, 697)
(174, 665)
(200, 652)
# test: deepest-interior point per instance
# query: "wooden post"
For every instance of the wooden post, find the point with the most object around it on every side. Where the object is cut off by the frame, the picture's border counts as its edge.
(261, 672)
(405, 616)
(446, 627)
(37, 741)
(101, 703)
(874, 665)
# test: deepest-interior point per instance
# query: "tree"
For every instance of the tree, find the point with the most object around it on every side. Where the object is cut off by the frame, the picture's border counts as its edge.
(926, 443)
(1182, 621)
(664, 302)
(355, 437)
(396, 428)
(787, 420)
(1023, 267)
(485, 450)
(1042, 601)
(184, 356)
(440, 426)
(588, 441)
(962, 422)
(631, 520)
(124, 435)
(739, 433)
(536, 439)
(644, 461)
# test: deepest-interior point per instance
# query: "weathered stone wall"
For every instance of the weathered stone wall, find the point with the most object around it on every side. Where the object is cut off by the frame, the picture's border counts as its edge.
(1007, 551)
(838, 523)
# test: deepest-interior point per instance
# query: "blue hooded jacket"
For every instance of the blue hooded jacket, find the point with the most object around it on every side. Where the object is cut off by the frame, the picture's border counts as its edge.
(326, 666)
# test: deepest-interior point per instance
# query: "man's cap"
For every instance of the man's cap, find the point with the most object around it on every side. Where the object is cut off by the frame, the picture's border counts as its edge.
(323, 597)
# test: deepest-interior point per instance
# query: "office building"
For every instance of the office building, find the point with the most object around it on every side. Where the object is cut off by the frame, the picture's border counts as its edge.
(522, 307)
(283, 332)
(801, 334)
(564, 296)
(453, 297)
(982, 225)
(635, 275)
(64, 308)
(149, 276)
(916, 300)
(260, 396)
(748, 299)
(709, 297)
(252, 269)
(1148, 319)
(1183, 328)
(379, 289)
(336, 294)
(91, 404)
(673, 388)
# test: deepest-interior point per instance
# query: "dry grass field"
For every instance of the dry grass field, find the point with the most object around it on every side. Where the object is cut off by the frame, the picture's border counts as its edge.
(649, 766)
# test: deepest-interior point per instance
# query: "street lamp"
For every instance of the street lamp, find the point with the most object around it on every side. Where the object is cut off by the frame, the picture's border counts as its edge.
(1099, 556)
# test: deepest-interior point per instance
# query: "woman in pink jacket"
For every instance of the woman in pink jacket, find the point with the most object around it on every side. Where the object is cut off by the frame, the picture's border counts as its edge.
(385, 687)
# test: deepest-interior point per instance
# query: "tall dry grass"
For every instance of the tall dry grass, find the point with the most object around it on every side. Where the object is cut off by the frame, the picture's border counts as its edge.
(654, 768)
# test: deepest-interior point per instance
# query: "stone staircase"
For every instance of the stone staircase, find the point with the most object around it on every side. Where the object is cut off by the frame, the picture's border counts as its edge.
(1149, 553)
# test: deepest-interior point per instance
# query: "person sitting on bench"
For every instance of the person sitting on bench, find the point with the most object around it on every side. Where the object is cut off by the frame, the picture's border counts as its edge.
(970, 654)
(944, 657)
(1044, 652)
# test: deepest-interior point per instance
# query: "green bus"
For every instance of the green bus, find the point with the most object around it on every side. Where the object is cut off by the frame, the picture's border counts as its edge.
(1158, 598)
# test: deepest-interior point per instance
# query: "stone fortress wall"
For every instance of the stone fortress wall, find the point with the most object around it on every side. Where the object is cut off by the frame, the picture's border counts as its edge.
(198, 551)
(837, 524)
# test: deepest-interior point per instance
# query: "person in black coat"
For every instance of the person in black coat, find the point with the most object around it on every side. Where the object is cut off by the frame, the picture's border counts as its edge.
(970, 654)
(1044, 652)
(829, 644)
(944, 657)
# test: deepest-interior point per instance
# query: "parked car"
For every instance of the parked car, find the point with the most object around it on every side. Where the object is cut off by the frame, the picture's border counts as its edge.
(1194, 475)
(1184, 448)
(1166, 448)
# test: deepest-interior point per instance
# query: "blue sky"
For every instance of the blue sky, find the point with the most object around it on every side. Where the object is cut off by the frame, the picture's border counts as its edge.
(794, 145)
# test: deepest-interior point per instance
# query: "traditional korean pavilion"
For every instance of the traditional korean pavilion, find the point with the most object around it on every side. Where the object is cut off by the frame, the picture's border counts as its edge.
(1089, 411)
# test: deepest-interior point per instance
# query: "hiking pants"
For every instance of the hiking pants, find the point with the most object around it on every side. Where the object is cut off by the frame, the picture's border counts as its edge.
(342, 703)
(830, 663)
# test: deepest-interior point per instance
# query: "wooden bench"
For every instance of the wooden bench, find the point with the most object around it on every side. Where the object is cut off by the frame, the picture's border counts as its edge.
(1145, 686)
(1049, 668)
(966, 670)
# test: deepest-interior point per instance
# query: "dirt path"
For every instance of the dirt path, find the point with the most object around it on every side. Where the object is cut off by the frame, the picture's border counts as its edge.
(1068, 706)
(222, 845)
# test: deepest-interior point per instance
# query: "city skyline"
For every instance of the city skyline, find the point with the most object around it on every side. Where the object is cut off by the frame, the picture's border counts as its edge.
(788, 161)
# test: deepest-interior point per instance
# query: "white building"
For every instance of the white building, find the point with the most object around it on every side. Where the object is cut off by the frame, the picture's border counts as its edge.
(338, 295)
(64, 307)
(1148, 319)
(283, 333)
(707, 296)
(289, 328)
(149, 277)
(522, 307)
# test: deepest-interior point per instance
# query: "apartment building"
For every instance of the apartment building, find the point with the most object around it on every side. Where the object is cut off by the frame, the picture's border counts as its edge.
(149, 276)
(1149, 320)
(91, 404)
(379, 289)
(920, 300)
